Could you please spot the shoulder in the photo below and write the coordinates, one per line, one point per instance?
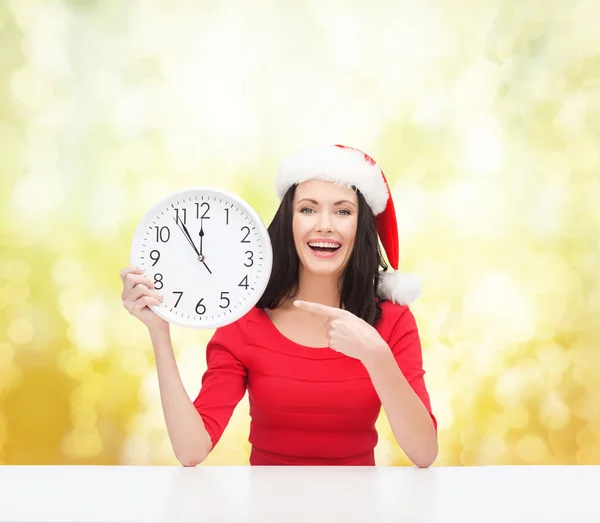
(235, 333)
(396, 320)
(392, 313)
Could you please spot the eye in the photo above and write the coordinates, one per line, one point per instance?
(306, 209)
(344, 212)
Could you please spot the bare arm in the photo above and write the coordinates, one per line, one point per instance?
(189, 438)
(410, 422)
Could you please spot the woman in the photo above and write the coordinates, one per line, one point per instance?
(330, 341)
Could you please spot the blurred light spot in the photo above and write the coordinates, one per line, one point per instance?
(134, 362)
(136, 451)
(496, 301)
(497, 425)
(474, 208)
(104, 210)
(430, 108)
(517, 416)
(38, 194)
(546, 211)
(468, 457)
(549, 84)
(16, 292)
(411, 212)
(21, 331)
(572, 113)
(87, 328)
(444, 413)
(66, 270)
(138, 156)
(10, 376)
(491, 449)
(582, 151)
(69, 302)
(129, 115)
(82, 444)
(6, 354)
(586, 14)
(31, 86)
(554, 413)
(470, 437)
(16, 270)
(589, 455)
(384, 450)
(84, 417)
(89, 391)
(532, 449)
(482, 147)
(71, 362)
(585, 437)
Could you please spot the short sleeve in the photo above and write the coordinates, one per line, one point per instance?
(223, 383)
(406, 347)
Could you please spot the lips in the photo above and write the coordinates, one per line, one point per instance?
(324, 246)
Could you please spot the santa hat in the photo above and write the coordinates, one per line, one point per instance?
(348, 166)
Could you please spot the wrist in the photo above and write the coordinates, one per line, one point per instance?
(378, 356)
(159, 330)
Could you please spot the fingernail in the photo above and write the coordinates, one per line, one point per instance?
(161, 298)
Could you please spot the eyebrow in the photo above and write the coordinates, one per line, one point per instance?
(315, 202)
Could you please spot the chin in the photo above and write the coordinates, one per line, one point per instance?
(322, 267)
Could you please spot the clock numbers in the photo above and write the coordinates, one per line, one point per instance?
(226, 216)
(226, 299)
(250, 259)
(180, 295)
(200, 308)
(184, 215)
(245, 240)
(154, 256)
(158, 280)
(244, 282)
(162, 233)
(206, 207)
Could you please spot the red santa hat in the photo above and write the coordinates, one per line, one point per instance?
(349, 166)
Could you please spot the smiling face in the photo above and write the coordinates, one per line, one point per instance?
(324, 222)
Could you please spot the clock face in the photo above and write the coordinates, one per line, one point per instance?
(207, 252)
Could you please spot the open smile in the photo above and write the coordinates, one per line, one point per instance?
(324, 249)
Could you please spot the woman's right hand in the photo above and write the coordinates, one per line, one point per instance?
(138, 293)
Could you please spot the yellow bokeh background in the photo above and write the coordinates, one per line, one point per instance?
(485, 116)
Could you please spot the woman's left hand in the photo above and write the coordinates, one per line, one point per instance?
(346, 332)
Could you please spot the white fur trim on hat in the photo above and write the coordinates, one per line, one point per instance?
(331, 163)
(400, 287)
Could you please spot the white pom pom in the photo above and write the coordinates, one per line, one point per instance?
(400, 287)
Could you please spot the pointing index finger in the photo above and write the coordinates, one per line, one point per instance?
(326, 310)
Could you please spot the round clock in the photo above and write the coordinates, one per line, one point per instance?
(207, 252)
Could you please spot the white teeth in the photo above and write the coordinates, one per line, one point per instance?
(324, 244)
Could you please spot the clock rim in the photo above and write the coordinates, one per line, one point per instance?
(267, 260)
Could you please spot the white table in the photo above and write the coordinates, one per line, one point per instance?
(566, 494)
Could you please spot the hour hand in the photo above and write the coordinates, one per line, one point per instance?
(201, 234)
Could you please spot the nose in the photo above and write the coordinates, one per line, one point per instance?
(324, 223)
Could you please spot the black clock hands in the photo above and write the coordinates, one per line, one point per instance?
(186, 233)
(201, 234)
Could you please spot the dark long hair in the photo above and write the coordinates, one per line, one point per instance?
(360, 278)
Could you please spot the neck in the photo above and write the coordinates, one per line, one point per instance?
(318, 288)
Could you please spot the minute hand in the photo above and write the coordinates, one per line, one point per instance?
(186, 234)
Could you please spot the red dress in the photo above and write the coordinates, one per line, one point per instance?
(308, 406)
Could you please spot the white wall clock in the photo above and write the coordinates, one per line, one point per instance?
(207, 252)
